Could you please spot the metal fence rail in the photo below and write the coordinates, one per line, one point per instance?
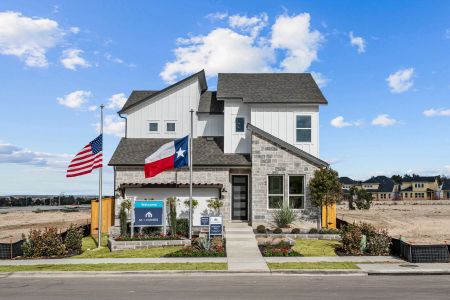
(11, 250)
(421, 253)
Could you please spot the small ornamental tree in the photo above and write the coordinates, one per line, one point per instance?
(325, 189)
(172, 205)
(363, 199)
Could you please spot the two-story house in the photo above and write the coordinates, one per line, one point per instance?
(381, 187)
(255, 144)
(420, 188)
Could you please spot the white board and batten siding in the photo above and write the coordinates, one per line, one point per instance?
(236, 142)
(171, 106)
(209, 125)
(280, 121)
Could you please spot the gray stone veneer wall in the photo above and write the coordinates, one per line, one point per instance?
(269, 159)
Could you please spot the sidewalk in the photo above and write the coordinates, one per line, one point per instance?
(242, 250)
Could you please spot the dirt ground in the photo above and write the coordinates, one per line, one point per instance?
(421, 224)
(14, 223)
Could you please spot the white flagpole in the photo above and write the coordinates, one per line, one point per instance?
(100, 171)
(190, 174)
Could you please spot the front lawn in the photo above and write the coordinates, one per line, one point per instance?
(316, 247)
(90, 250)
(117, 267)
(313, 266)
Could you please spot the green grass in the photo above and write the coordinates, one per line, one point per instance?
(117, 267)
(316, 247)
(313, 266)
(103, 252)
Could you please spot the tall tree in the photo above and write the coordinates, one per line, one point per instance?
(325, 189)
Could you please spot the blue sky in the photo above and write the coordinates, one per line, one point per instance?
(383, 66)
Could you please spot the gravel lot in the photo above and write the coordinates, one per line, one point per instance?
(417, 223)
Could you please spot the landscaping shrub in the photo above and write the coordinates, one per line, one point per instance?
(351, 236)
(313, 231)
(363, 199)
(123, 221)
(329, 231)
(172, 212)
(295, 231)
(73, 239)
(277, 230)
(183, 227)
(379, 243)
(43, 243)
(215, 204)
(282, 249)
(202, 247)
(284, 216)
(261, 229)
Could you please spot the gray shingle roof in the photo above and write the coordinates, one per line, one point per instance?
(141, 96)
(206, 152)
(347, 180)
(446, 185)
(420, 179)
(209, 104)
(270, 88)
(305, 155)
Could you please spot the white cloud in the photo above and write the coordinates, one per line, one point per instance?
(74, 30)
(16, 155)
(116, 101)
(28, 38)
(112, 125)
(358, 42)
(71, 59)
(92, 108)
(439, 112)
(401, 81)
(249, 50)
(217, 16)
(293, 34)
(75, 99)
(384, 120)
(340, 122)
(252, 25)
(222, 50)
(117, 60)
(320, 79)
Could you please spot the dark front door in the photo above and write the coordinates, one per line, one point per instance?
(239, 197)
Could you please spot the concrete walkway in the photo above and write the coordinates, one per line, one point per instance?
(242, 250)
(84, 261)
(356, 259)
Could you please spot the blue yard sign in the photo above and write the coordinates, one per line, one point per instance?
(215, 226)
(204, 221)
(149, 213)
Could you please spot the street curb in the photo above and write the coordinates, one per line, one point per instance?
(406, 272)
(320, 272)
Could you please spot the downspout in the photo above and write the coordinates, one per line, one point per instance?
(126, 123)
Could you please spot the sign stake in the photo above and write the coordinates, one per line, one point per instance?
(100, 173)
(190, 174)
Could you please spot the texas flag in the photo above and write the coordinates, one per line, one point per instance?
(169, 156)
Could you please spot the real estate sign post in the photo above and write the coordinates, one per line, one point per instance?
(148, 213)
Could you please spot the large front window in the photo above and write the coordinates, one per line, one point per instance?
(275, 191)
(303, 129)
(296, 191)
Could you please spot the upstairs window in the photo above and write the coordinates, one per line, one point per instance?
(303, 129)
(170, 127)
(153, 127)
(239, 124)
(275, 191)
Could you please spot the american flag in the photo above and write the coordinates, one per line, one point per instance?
(88, 159)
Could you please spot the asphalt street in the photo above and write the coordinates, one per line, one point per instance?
(226, 287)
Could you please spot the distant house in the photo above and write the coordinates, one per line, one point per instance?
(445, 189)
(381, 187)
(419, 188)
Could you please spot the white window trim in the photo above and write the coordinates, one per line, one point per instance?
(295, 129)
(304, 191)
(268, 208)
(165, 126)
(234, 124)
(148, 126)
